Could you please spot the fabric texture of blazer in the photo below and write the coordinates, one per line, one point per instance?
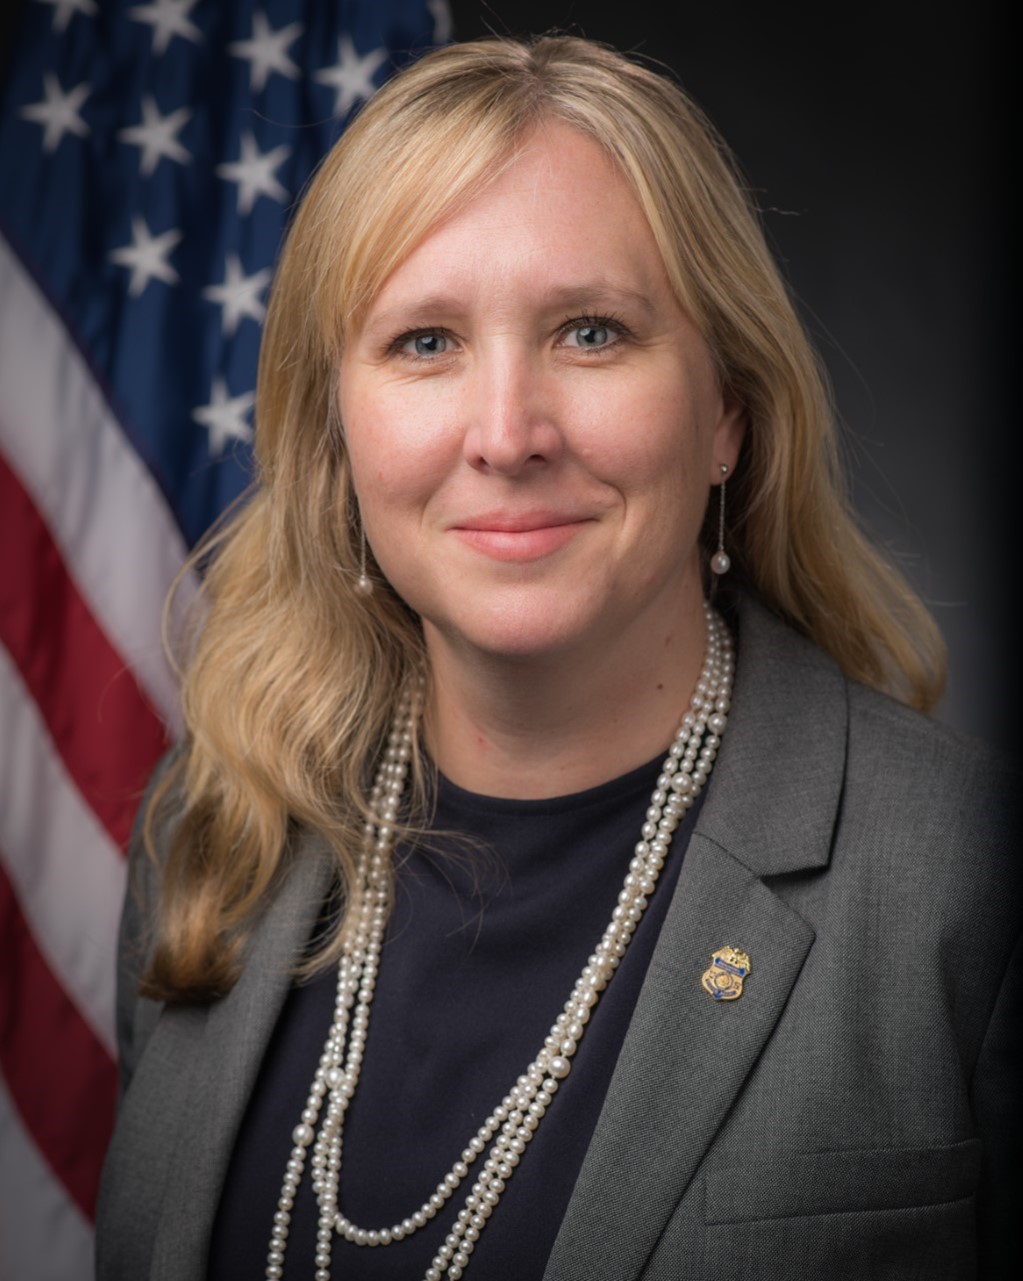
(855, 1114)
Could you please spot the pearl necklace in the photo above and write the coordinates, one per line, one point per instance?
(512, 1124)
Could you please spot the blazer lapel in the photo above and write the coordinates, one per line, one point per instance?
(684, 1060)
(227, 1061)
(770, 809)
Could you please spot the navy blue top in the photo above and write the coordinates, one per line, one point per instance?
(481, 952)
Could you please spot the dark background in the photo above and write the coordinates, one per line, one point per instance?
(874, 140)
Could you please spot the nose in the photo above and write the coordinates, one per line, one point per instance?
(513, 424)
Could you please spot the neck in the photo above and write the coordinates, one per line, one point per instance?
(533, 728)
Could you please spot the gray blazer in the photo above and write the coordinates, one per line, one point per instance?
(853, 1115)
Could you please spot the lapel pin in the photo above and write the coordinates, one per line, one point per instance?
(724, 979)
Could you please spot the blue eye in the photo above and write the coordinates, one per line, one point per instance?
(592, 333)
(592, 336)
(429, 344)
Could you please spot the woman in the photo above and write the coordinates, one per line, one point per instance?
(524, 326)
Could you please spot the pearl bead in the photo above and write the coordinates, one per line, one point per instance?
(720, 563)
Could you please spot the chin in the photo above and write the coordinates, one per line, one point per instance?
(517, 635)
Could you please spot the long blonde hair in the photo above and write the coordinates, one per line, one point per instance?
(291, 679)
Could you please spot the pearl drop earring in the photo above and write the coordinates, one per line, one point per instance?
(364, 584)
(720, 562)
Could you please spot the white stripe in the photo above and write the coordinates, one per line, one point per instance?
(43, 1234)
(66, 871)
(104, 509)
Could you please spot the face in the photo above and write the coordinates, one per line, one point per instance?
(534, 424)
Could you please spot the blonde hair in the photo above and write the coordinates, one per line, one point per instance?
(291, 679)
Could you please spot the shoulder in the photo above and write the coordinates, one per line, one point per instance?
(913, 769)
(910, 810)
(924, 779)
(926, 852)
(145, 860)
(137, 1015)
(921, 746)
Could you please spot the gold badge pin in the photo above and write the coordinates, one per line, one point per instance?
(729, 967)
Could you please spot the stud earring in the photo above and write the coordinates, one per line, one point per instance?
(364, 584)
(720, 562)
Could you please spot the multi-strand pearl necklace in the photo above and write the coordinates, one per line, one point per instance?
(508, 1129)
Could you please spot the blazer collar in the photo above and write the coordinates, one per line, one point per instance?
(777, 782)
(771, 808)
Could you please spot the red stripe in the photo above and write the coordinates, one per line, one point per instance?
(105, 729)
(62, 1080)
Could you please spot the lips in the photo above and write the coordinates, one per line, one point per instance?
(521, 536)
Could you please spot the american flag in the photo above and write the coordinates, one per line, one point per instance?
(150, 155)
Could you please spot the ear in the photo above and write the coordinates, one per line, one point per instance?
(729, 433)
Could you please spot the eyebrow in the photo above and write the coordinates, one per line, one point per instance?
(597, 295)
